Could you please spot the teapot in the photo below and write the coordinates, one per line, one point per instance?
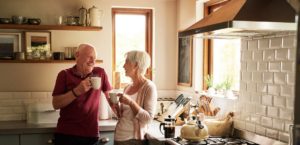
(194, 130)
(168, 126)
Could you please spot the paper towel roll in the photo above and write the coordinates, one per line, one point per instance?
(103, 108)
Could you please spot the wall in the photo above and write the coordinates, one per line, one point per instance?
(23, 84)
(266, 101)
(40, 77)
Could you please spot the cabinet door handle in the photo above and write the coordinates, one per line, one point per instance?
(104, 140)
(50, 141)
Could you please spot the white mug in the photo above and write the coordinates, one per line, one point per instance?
(96, 82)
(114, 98)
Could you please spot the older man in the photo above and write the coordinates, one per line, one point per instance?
(77, 101)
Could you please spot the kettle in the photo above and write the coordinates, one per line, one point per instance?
(168, 126)
(194, 130)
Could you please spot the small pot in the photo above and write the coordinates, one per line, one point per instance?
(19, 56)
(58, 56)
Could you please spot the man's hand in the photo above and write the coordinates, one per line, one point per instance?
(83, 86)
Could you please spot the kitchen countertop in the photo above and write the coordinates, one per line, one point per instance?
(22, 127)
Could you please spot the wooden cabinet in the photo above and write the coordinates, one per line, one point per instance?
(36, 139)
(9, 139)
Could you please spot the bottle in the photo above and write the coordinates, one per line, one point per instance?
(82, 16)
(95, 16)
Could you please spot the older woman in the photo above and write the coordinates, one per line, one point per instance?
(138, 101)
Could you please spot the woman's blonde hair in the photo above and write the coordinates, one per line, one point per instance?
(142, 59)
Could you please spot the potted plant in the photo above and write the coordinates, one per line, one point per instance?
(209, 82)
(227, 85)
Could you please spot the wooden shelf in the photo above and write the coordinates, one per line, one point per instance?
(42, 61)
(49, 27)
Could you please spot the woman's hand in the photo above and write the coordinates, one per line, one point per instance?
(125, 99)
(83, 86)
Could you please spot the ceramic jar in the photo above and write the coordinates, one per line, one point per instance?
(95, 16)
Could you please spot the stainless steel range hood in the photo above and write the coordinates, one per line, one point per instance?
(244, 18)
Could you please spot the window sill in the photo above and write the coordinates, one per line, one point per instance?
(221, 95)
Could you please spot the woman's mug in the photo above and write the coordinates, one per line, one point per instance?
(168, 127)
(114, 98)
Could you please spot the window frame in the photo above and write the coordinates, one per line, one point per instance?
(209, 7)
(149, 34)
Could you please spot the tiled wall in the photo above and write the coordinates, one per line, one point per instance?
(13, 105)
(267, 83)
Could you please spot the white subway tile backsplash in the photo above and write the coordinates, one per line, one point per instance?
(290, 103)
(250, 108)
(247, 76)
(253, 45)
(289, 41)
(276, 42)
(260, 130)
(262, 88)
(244, 45)
(275, 66)
(272, 111)
(6, 117)
(251, 87)
(250, 127)
(280, 78)
(263, 43)
(263, 66)
(13, 104)
(261, 109)
(243, 86)
(292, 54)
(273, 89)
(267, 100)
(281, 54)
(284, 137)
(252, 66)
(286, 114)
(278, 124)
(266, 121)
(255, 119)
(270, 68)
(272, 133)
(21, 95)
(268, 77)
(243, 66)
(279, 101)
(258, 55)
(290, 78)
(287, 91)
(6, 95)
(257, 77)
(288, 66)
(246, 55)
(256, 98)
(269, 55)
(239, 124)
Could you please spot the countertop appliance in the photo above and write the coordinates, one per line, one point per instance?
(213, 141)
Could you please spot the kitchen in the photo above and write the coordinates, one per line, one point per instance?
(27, 82)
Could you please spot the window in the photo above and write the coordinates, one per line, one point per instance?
(221, 56)
(132, 30)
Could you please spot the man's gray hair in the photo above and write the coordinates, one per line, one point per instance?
(142, 59)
